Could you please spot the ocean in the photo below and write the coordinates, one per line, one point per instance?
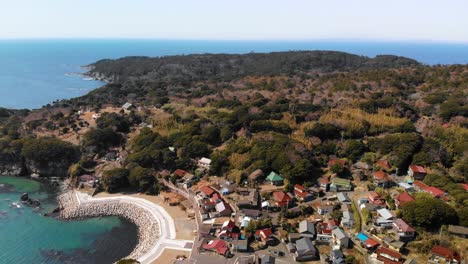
(34, 73)
(28, 237)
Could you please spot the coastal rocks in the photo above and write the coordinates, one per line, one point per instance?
(148, 226)
(24, 197)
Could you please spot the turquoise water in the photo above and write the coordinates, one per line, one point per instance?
(35, 72)
(28, 237)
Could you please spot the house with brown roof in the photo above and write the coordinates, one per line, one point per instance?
(403, 231)
(282, 199)
(458, 230)
(207, 191)
(388, 256)
(448, 255)
(334, 161)
(375, 198)
(434, 191)
(383, 164)
(256, 176)
(417, 172)
(381, 179)
(403, 198)
(223, 208)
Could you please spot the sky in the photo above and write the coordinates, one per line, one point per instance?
(389, 20)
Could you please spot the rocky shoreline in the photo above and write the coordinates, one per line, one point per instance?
(148, 226)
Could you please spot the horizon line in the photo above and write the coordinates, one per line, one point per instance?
(413, 41)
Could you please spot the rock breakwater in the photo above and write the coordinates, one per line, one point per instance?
(148, 227)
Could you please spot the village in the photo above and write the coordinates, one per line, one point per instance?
(326, 223)
(265, 220)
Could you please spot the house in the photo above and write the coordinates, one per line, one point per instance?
(240, 245)
(305, 250)
(435, 192)
(343, 198)
(325, 208)
(245, 221)
(249, 198)
(385, 219)
(223, 208)
(367, 242)
(281, 199)
(337, 257)
(265, 235)
(266, 259)
(179, 173)
(348, 219)
(324, 232)
(381, 179)
(302, 194)
(274, 179)
(324, 184)
(204, 163)
(207, 192)
(417, 172)
(446, 254)
(128, 106)
(403, 198)
(389, 256)
(255, 176)
(339, 185)
(307, 229)
(403, 231)
(393, 244)
(383, 164)
(340, 238)
(458, 230)
(218, 246)
(374, 198)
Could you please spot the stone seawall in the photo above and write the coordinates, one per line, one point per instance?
(148, 226)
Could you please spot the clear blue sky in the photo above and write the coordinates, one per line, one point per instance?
(395, 20)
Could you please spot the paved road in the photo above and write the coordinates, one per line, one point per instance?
(167, 228)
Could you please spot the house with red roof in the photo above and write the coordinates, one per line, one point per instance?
(282, 199)
(434, 191)
(218, 245)
(417, 172)
(381, 179)
(403, 198)
(265, 235)
(371, 244)
(302, 194)
(180, 173)
(448, 255)
(388, 256)
(403, 231)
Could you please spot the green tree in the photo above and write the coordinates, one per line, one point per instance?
(428, 213)
(114, 179)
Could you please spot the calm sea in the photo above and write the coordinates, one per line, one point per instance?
(28, 237)
(36, 72)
